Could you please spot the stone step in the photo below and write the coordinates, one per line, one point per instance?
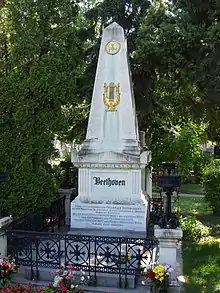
(88, 289)
(102, 279)
(139, 288)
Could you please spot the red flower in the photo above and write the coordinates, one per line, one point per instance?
(150, 275)
(147, 275)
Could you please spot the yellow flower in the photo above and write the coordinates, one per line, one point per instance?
(157, 276)
(159, 269)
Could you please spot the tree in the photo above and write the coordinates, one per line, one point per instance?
(177, 49)
(38, 79)
(182, 145)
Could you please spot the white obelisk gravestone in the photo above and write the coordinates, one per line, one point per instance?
(112, 174)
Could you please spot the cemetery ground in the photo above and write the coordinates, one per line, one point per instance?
(187, 188)
(192, 188)
(201, 261)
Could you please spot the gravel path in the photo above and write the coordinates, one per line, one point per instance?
(191, 195)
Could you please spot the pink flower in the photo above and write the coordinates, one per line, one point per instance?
(71, 266)
(30, 284)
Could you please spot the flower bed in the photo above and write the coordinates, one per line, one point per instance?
(65, 280)
(19, 288)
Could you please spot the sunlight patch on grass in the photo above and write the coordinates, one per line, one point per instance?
(201, 261)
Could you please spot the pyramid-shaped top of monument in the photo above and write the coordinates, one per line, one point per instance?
(112, 125)
(114, 27)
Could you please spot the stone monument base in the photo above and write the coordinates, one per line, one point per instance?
(104, 216)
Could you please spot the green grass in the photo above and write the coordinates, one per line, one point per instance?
(201, 261)
(192, 188)
(201, 265)
(193, 206)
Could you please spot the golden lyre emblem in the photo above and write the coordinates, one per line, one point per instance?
(111, 96)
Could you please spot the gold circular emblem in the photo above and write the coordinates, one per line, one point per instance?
(112, 47)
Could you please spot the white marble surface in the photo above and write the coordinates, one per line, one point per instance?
(168, 245)
(3, 237)
(118, 130)
(5, 221)
(112, 178)
(108, 216)
(109, 185)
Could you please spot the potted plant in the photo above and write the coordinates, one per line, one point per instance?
(159, 278)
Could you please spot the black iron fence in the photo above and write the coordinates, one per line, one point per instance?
(50, 218)
(95, 255)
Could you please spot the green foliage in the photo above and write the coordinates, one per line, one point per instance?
(178, 53)
(211, 184)
(27, 190)
(66, 174)
(193, 230)
(200, 164)
(182, 145)
(40, 51)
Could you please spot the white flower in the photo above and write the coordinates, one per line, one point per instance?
(56, 281)
(82, 278)
(166, 267)
(170, 270)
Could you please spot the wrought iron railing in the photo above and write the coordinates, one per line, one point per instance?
(95, 255)
(49, 219)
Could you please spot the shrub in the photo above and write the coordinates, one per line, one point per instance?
(65, 174)
(200, 164)
(193, 230)
(211, 184)
(27, 190)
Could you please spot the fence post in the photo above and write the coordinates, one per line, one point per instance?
(3, 237)
(67, 193)
(169, 252)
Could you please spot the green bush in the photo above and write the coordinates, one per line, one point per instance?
(27, 190)
(200, 164)
(193, 230)
(211, 184)
(65, 174)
